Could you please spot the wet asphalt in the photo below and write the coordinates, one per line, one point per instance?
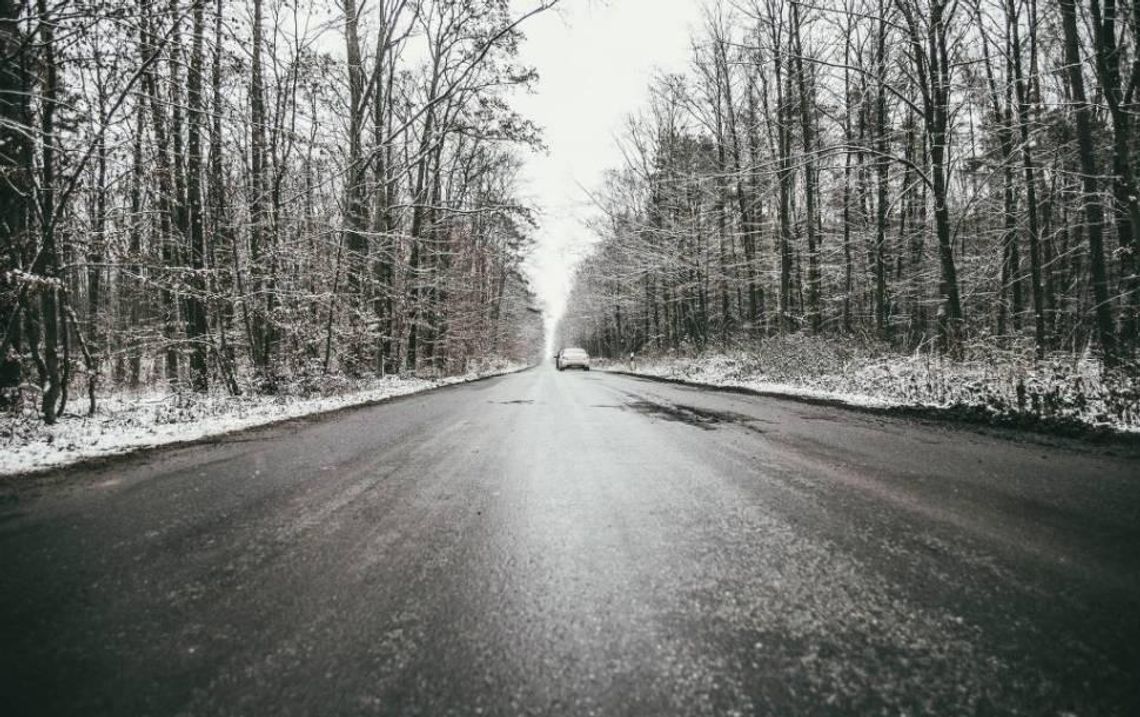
(578, 543)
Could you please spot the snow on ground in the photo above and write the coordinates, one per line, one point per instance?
(723, 371)
(128, 422)
(1074, 394)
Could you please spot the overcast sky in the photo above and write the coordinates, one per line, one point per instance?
(595, 59)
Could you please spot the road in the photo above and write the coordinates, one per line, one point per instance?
(579, 543)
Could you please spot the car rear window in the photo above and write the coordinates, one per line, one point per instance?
(574, 353)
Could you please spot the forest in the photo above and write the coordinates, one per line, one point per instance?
(955, 178)
(250, 195)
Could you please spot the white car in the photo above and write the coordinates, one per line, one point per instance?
(572, 358)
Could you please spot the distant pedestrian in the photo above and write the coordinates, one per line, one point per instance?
(632, 365)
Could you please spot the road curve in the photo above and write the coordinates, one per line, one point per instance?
(577, 543)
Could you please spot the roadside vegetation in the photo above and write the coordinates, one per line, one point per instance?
(1066, 393)
(921, 201)
(206, 199)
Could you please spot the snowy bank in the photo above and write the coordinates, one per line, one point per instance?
(125, 422)
(1074, 396)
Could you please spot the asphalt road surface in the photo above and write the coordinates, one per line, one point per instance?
(578, 543)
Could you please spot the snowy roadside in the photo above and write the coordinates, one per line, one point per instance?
(710, 372)
(126, 423)
(1073, 400)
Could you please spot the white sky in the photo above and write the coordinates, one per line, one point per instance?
(595, 59)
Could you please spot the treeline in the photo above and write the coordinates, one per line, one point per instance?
(235, 193)
(924, 173)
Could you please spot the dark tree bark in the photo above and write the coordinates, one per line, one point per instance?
(882, 174)
(47, 264)
(849, 139)
(260, 337)
(1094, 215)
(133, 289)
(15, 191)
(785, 176)
(221, 234)
(1120, 95)
(169, 244)
(197, 323)
(355, 217)
(807, 134)
(928, 41)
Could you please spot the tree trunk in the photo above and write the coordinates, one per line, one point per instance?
(259, 338)
(15, 192)
(48, 264)
(1022, 91)
(1094, 215)
(197, 325)
(807, 107)
(882, 174)
(1122, 108)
